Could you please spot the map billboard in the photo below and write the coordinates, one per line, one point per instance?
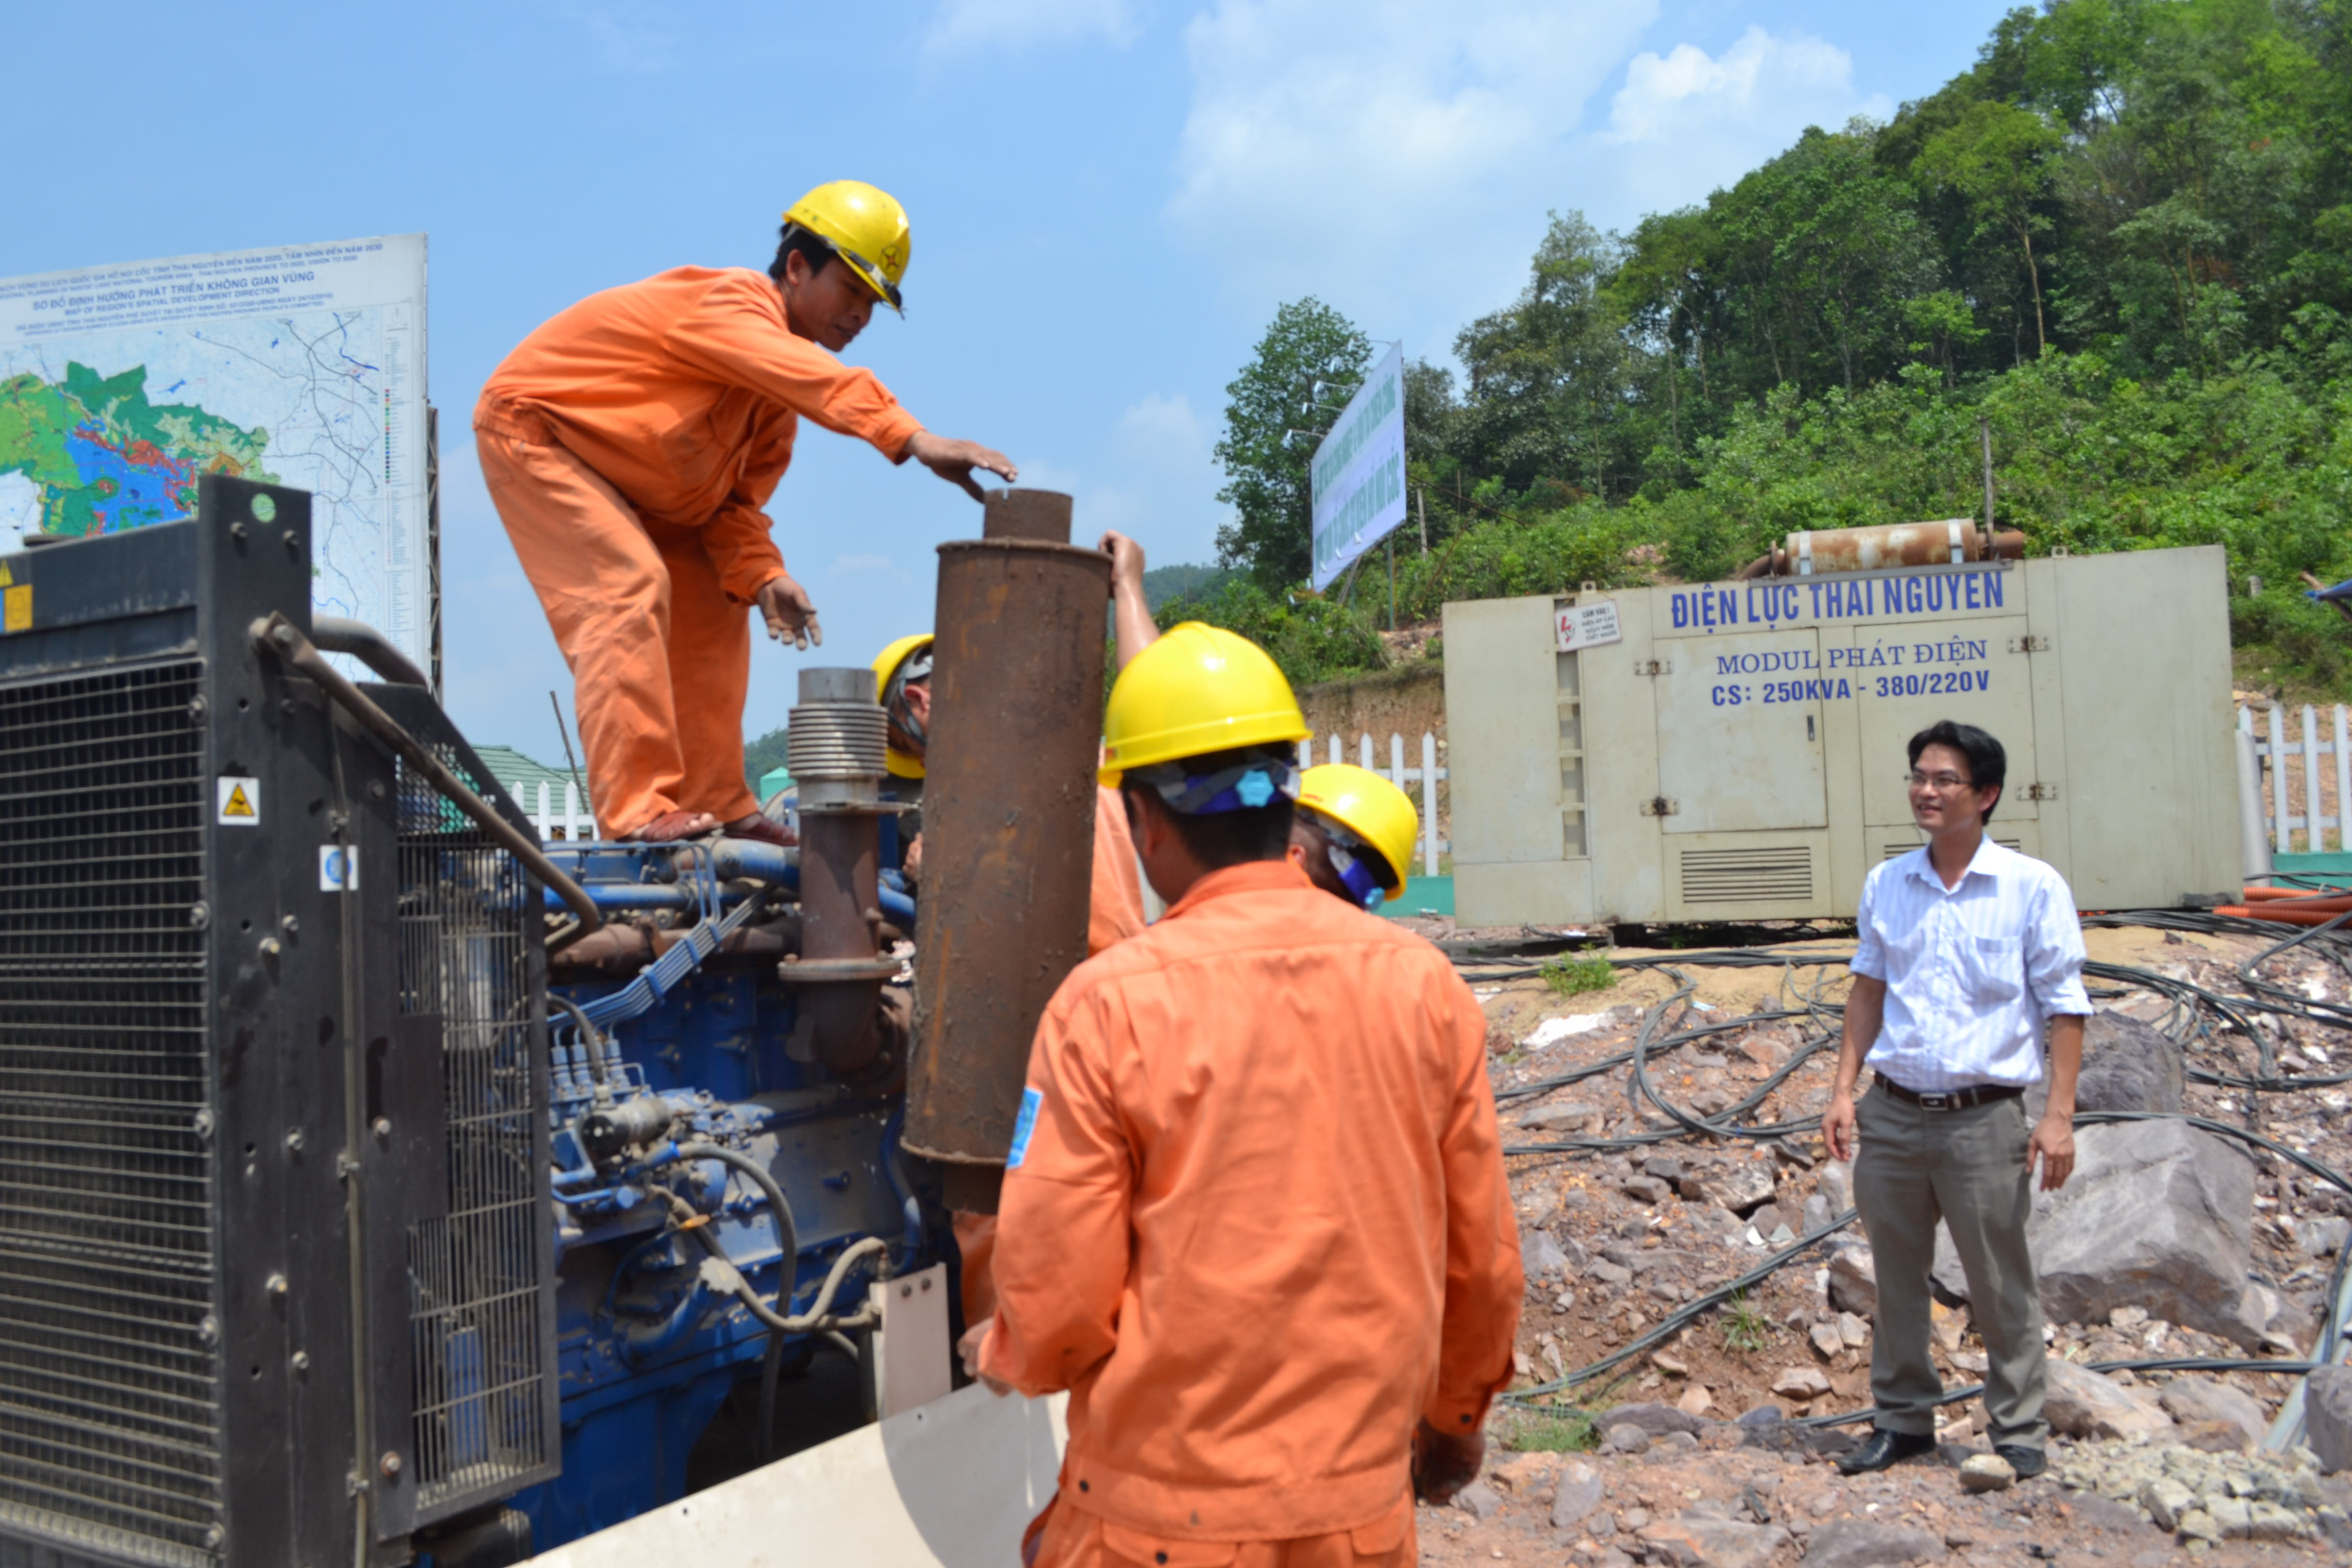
(1358, 475)
(301, 365)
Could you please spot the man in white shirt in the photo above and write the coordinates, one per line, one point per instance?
(1967, 950)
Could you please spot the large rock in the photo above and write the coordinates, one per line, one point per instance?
(1655, 1419)
(2327, 1413)
(1578, 1495)
(1698, 1541)
(1740, 1185)
(2189, 1400)
(1853, 1280)
(2126, 1066)
(1866, 1543)
(2083, 1403)
(2156, 1215)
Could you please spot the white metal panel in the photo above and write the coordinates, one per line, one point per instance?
(1740, 738)
(1501, 710)
(2142, 641)
(1536, 893)
(912, 1358)
(1978, 674)
(950, 1485)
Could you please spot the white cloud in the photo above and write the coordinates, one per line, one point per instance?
(1022, 24)
(1391, 156)
(1685, 123)
(628, 42)
(850, 565)
(1164, 435)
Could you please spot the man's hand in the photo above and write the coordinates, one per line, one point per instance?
(955, 461)
(1445, 1462)
(1125, 560)
(784, 605)
(910, 864)
(2053, 1140)
(967, 1349)
(1837, 1126)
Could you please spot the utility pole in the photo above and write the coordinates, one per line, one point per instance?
(1391, 543)
(1984, 435)
(1421, 505)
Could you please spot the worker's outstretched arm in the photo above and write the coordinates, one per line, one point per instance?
(1483, 1278)
(1131, 611)
(1063, 1242)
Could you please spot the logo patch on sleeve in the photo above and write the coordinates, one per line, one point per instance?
(1023, 1126)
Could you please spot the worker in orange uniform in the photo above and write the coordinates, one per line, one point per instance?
(1352, 831)
(631, 443)
(1254, 1214)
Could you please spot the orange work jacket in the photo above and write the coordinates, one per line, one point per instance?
(1255, 1218)
(1114, 910)
(685, 391)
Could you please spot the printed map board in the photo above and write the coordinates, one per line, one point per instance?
(301, 365)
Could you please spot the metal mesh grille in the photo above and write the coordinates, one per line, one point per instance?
(474, 1315)
(109, 1411)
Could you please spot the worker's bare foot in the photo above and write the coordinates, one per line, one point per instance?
(766, 830)
(671, 827)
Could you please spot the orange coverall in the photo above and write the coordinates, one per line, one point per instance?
(1257, 1224)
(631, 443)
(1114, 913)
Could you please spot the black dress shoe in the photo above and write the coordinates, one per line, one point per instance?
(1886, 1448)
(2027, 1462)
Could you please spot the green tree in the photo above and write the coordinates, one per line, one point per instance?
(1301, 375)
(1997, 157)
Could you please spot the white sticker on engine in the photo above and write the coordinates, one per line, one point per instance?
(240, 801)
(338, 869)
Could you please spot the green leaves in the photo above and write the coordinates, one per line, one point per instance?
(1306, 368)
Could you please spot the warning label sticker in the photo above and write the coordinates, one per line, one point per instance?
(17, 616)
(240, 801)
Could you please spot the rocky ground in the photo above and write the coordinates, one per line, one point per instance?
(2172, 1243)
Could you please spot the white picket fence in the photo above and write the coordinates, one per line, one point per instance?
(1425, 777)
(554, 819)
(2303, 804)
(564, 818)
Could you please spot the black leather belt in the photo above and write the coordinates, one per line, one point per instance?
(1952, 1098)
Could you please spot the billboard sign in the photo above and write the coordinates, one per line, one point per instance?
(1358, 474)
(299, 365)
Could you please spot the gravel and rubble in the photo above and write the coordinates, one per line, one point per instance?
(1689, 1453)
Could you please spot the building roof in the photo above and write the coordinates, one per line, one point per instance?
(511, 768)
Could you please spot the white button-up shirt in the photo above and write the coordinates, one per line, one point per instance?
(1971, 971)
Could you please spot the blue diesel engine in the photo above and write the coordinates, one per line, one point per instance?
(726, 1103)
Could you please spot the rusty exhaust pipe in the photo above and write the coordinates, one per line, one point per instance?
(1951, 542)
(1008, 825)
(834, 747)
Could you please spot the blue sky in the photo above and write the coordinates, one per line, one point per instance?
(1109, 197)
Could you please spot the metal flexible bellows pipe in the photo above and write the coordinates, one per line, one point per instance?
(278, 636)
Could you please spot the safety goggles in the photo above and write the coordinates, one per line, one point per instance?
(1343, 849)
(1245, 786)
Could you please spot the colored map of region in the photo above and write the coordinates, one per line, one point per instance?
(104, 458)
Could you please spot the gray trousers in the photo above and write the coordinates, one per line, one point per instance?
(1968, 1168)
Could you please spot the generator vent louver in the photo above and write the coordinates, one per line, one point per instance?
(110, 1399)
(1763, 875)
(475, 1316)
(1894, 850)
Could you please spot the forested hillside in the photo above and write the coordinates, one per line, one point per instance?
(2123, 236)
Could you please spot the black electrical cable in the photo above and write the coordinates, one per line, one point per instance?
(788, 1268)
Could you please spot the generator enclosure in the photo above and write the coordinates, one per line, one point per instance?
(1735, 751)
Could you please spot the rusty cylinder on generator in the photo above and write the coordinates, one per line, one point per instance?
(1008, 824)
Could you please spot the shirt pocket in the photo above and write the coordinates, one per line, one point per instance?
(1148, 1550)
(1996, 968)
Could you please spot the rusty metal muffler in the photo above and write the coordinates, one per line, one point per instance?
(835, 747)
(1950, 542)
(1008, 824)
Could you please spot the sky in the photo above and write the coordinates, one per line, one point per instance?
(1108, 198)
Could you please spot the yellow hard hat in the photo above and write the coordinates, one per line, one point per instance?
(1369, 806)
(866, 228)
(886, 665)
(1196, 690)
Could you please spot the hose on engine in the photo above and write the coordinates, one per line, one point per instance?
(596, 1044)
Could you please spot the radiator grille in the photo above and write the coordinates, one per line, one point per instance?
(1771, 875)
(474, 1316)
(109, 1411)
